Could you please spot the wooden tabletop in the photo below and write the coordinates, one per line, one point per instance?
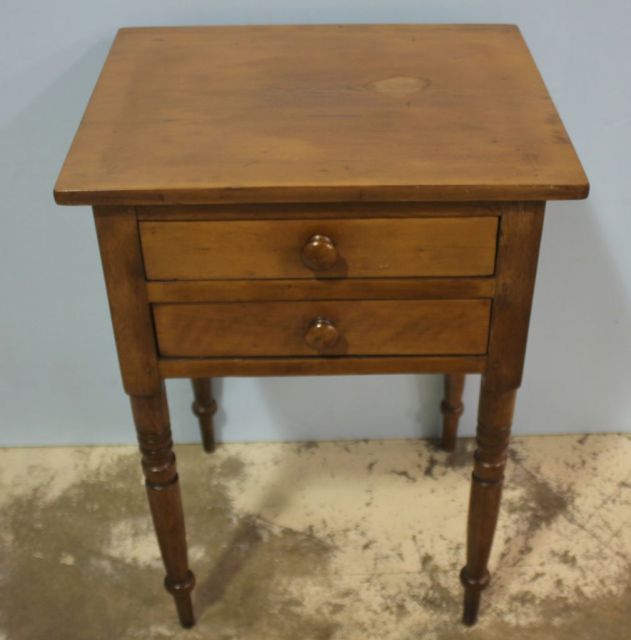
(320, 113)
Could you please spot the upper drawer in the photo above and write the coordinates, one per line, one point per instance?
(356, 248)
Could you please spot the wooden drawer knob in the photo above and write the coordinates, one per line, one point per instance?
(319, 254)
(322, 334)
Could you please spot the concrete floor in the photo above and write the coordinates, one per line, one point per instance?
(329, 541)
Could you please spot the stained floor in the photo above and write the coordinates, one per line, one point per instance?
(329, 541)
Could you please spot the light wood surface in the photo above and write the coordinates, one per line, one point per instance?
(325, 366)
(352, 248)
(375, 327)
(319, 210)
(121, 256)
(322, 289)
(518, 255)
(320, 113)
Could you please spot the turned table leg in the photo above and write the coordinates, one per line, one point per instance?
(204, 407)
(494, 422)
(123, 267)
(163, 490)
(452, 408)
(517, 251)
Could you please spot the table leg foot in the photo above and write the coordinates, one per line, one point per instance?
(181, 592)
(472, 593)
(204, 407)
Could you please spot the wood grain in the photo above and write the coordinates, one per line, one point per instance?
(321, 289)
(452, 408)
(204, 407)
(275, 248)
(301, 210)
(401, 327)
(324, 366)
(495, 416)
(316, 200)
(518, 253)
(320, 113)
(151, 416)
(117, 233)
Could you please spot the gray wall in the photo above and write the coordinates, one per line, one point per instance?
(59, 379)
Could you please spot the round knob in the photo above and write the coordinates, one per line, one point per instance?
(322, 334)
(319, 254)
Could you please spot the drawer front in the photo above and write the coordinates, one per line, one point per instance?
(365, 327)
(356, 248)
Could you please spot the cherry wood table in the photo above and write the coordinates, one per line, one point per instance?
(315, 200)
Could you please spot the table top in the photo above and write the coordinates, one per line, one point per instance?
(317, 114)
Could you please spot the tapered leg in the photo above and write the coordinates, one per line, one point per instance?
(494, 423)
(452, 408)
(204, 407)
(163, 490)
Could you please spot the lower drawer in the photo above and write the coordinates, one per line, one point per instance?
(325, 327)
